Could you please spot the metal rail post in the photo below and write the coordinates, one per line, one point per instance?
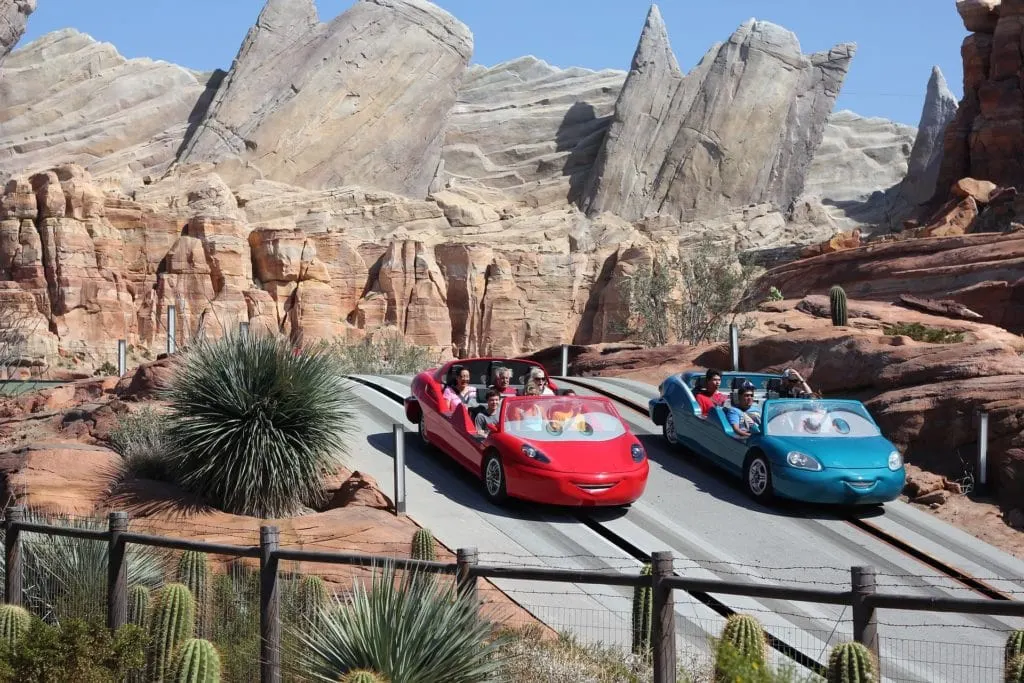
(172, 325)
(865, 623)
(734, 346)
(663, 626)
(270, 607)
(982, 448)
(565, 360)
(117, 572)
(399, 435)
(465, 558)
(13, 555)
(122, 357)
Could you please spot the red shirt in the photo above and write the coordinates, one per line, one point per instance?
(706, 402)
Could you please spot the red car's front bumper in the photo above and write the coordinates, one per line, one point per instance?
(575, 489)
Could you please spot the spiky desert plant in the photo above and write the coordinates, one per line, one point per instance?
(1014, 672)
(643, 607)
(172, 623)
(362, 676)
(14, 622)
(256, 428)
(311, 598)
(197, 662)
(837, 305)
(423, 545)
(417, 629)
(138, 606)
(194, 572)
(742, 636)
(1014, 645)
(851, 663)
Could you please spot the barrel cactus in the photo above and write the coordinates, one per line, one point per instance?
(837, 305)
(1014, 670)
(1014, 646)
(362, 676)
(311, 598)
(138, 606)
(172, 622)
(197, 662)
(423, 545)
(851, 663)
(194, 572)
(14, 622)
(742, 638)
(643, 609)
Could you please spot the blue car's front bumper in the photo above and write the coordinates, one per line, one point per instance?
(839, 486)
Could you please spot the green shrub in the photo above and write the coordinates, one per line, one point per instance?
(922, 333)
(140, 438)
(774, 294)
(256, 428)
(415, 629)
(386, 353)
(108, 369)
(76, 650)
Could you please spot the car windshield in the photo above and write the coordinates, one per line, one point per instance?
(832, 419)
(561, 418)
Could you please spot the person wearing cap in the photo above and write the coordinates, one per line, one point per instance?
(794, 386)
(744, 415)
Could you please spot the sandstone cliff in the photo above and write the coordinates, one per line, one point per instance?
(13, 16)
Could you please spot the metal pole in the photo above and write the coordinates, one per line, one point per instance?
(13, 555)
(663, 619)
(865, 623)
(270, 607)
(565, 360)
(117, 572)
(243, 328)
(465, 558)
(983, 448)
(399, 434)
(171, 328)
(734, 346)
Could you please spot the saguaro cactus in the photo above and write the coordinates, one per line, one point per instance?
(1014, 670)
(172, 622)
(742, 637)
(138, 606)
(194, 572)
(851, 663)
(643, 608)
(1014, 646)
(424, 546)
(837, 305)
(14, 622)
(197, 662)
(311, 598)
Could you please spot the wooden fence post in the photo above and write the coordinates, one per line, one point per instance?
(12, 555)
(465, 558)
(270, 607)
(865, 623)
(663, 626)
(117, 572)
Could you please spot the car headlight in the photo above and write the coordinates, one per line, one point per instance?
(532, 453)
(803, 461)
(895, 461)
(637, 452)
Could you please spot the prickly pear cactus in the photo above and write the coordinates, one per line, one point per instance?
(194, 572)
(742, 637)
(851, 663)
(138, 606)
(14, 622)
(423, 545)
(197, 662)
(362, 676)
(1014, 670)
(837, 305)
(171, 623)
(643, 608)
(1014, 646)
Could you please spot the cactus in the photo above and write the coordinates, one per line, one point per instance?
(197, 662)
(745, 637)
(138, 607)
(14, 622)
(310, 599)
(837, 305)
(423, 545)
(1014, 670)
(643, 609)
(851, 663)
(172, 622)
(194, 572)
(362, 676)
(1014, 646)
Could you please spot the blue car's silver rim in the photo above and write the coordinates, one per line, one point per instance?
(670, 429)
(757, 476)
(492, 477)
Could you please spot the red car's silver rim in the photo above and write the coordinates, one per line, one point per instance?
(492, 477)
(757, 477)
(670, 428)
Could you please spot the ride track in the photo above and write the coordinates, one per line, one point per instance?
(592, 519)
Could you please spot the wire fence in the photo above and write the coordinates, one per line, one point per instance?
(62, 567)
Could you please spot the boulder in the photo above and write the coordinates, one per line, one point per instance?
(979, 15)
(13, 17)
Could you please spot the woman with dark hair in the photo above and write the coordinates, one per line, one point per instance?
(451, 397)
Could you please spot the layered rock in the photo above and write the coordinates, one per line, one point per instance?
(361, 100)
(66, 98)
(13, 17)
(740, 129)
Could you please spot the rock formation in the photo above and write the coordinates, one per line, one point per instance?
(13, 16)
(740, 129)
(360, 101)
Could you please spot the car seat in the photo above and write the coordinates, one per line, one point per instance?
(773, 388)
(700, 384)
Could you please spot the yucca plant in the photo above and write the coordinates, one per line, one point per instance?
(255, 428)
(416, 630)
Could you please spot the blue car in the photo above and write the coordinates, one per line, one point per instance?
(827, 451)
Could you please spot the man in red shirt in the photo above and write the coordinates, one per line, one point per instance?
(710, 396)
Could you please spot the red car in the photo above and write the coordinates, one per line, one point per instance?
(556, 448)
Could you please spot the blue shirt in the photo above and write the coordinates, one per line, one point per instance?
(735, 415)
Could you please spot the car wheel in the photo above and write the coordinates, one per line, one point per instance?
(423, 433)
(669, 429)
(758, 477)
(494, 479)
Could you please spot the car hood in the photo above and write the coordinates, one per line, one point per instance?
(869, 452)
(588, 456)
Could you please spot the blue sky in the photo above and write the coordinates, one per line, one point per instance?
(898, 40)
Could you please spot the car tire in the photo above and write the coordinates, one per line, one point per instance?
(494, 479)
(424, 438)
(668, 430)
(757, 477)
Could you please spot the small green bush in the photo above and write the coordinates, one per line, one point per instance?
(922, 333)
(140, 438)
(108, 369)
(75, 650)
(774, 294)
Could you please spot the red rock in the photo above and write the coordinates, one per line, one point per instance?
(146, 380)
(979, 190)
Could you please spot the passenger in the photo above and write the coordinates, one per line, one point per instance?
(538, 376)
(451, 396)
(710, 396)
(489, 418)
(532, 411)
(794, 386)
(503, 381)
(744, 415)
(465, 390)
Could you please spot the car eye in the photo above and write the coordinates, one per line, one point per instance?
(803, 461)
(636, 451)
(534, 454)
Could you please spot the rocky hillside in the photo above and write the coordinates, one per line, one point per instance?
(355, 174)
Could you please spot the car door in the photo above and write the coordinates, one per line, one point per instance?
(459, 431)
